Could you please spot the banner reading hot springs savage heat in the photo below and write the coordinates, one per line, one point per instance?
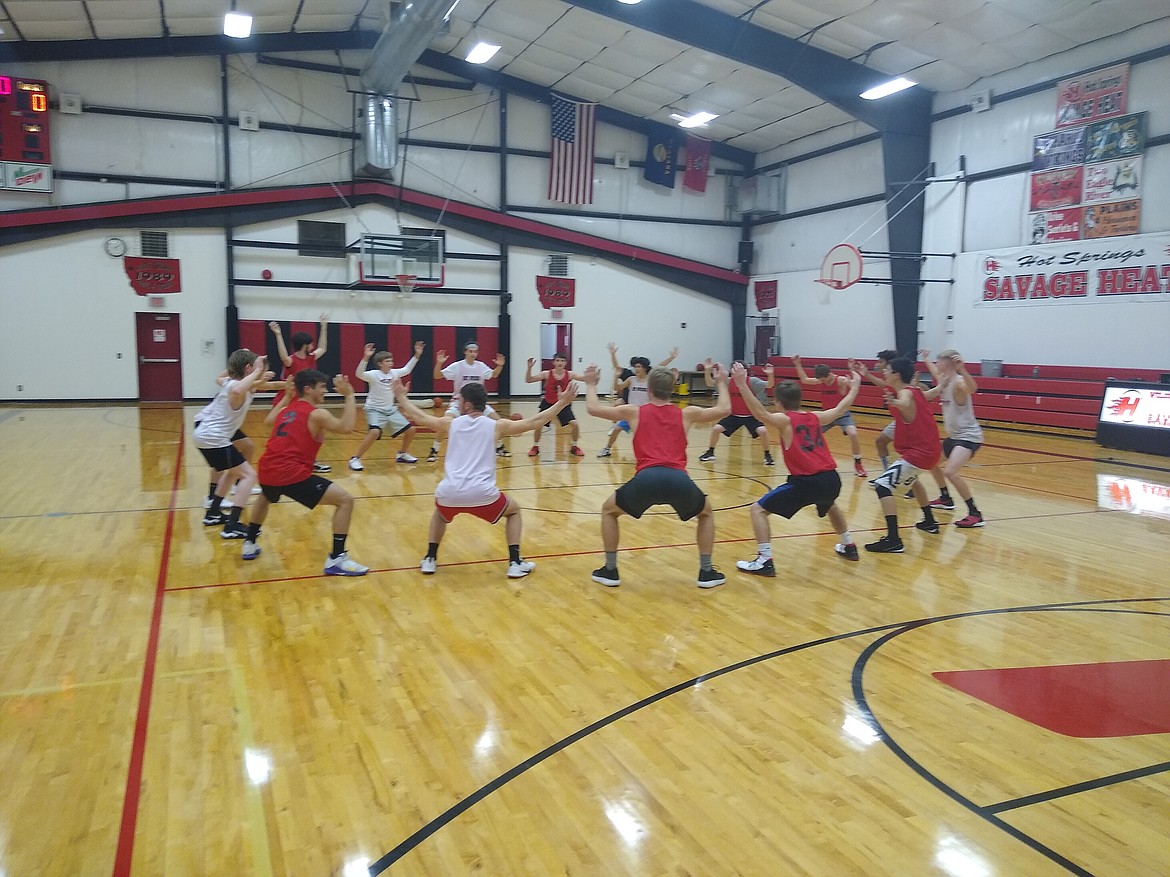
(1081, 272)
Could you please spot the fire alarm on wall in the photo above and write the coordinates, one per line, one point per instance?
(266, 274)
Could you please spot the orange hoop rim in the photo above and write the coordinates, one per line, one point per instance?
(831, 283)
(406, 282)
(853, 256)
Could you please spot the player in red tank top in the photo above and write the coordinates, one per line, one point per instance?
(916, 439)
(556, 379)
(833, 388)
(660, 447)
(304, 356)
(812, 478)
(286, 466)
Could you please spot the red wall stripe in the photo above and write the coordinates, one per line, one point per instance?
(254, 336)
(445, 341)
(353, 342)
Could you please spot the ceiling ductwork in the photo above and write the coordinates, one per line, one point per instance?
(412, 27)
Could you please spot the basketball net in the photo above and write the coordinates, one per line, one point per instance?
(405, 284)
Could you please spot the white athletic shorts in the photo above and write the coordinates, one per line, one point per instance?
(901, 473)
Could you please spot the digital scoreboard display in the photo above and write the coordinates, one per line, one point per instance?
(25, 156)
(1135, 417)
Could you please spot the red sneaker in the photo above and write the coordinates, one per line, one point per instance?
(859, 469)
(969, 522)
(576, 451)
(534, 451)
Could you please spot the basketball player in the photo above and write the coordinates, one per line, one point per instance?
(916, 439)
(555, 380)
(955, 387)
(469, 469)
(812, 471)
(468, 370)
(627, 381)
(660, 449)
(381, 409)
(216, 426)
(304, 356)
(286, 466)
(833, 387)
(741, 414)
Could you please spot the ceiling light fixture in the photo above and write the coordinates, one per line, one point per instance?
(482, 52)
(630, 2)
(888, 88)
(237, 24)
(695, 120)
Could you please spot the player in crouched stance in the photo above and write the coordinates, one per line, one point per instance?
(812, 479)
(469, 468)
(286, 466)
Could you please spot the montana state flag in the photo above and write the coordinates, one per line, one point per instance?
(661, 155)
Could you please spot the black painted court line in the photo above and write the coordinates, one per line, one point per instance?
(987, 813)
(896, 628)
(1077, 788)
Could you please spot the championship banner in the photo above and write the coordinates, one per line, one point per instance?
(1063, 224)
(1101, 94)
(1111, 220)
(152, 276)
(765, 294)
(1086, 272)
(1113, 181)
(556, 292)
(1058, 188)
(1120, 138)
(1058, 149)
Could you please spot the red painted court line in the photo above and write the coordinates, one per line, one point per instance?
(124, 856)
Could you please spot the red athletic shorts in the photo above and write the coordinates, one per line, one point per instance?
(490, 512)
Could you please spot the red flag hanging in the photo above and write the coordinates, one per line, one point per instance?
(556, 292)
(152, 276)
(698, 160)
(765, 294)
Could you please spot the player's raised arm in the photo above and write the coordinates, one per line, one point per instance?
(801, 374)
(500, 361)
(321, 419)
(322, 337)
(529, 377)
(363, 364)
(593, 403)
(693, 414)
(842, 408)
(516, 427)
(280, 348)
(440, 359)
(739, 374)
(415, 414)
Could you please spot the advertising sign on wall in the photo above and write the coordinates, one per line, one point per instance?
(1063, 224)
(1110, 220)
(1113, 181)
(1119, 138)
(1101, 94)
(26, 177)
(1058, 149)
(1057, 188)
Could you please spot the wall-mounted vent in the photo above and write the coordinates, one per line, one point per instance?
(155, 244)
(323, 239)
(558, 264)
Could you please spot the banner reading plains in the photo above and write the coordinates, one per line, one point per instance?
(1101, 94)
(1085, 272)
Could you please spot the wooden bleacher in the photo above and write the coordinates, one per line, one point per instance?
(1044, 396)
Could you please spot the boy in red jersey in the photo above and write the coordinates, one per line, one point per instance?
(916, 439)
(833, 387)
(304, 356)
(740, 414)
(812, 479)
(660, 448)
(555, 380)
(286, 466)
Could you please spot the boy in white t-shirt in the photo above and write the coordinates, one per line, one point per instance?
(381, 409)
(468, 370)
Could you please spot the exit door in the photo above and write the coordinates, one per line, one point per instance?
(160, 362)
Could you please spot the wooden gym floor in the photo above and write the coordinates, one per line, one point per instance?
(166, 708)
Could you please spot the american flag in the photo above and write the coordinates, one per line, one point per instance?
(570, 177)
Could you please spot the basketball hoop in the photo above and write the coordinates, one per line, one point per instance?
(405, 284)
(841, 267)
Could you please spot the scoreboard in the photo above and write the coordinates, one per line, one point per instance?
(25, 158)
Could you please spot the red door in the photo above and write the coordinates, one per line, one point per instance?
(555, 338)
(160, 363)
(763, 343)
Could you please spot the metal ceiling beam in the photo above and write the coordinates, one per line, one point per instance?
(477, 72)
(157, 47)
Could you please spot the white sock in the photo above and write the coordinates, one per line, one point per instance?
(765, 549)
(846, 538)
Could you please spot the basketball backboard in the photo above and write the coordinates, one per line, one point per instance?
(382, 258)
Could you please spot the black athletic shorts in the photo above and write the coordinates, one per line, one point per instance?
(799, 491)
(660, 485)
(950, 444)
(565, 416)
(222, 459)
(308, 492)
(734, 421)
(239, 435)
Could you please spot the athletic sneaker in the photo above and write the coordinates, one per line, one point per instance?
(576, 451)
(605, 452)
(428, 566)
(710, 578)
(214, 519)
(251, 551)
(519, 569)
(322, 467)
(970, 521)
(761, 566)
(909, 494)
(432, 456)
(849, 552)
(768, 461)
(343, 566)
(534, 451)
(927, 526)
(707, 456)
(355, 463)
(501, 451)
(234, 530)
(886, 545)
(404, 457)
(255, 490)
(606, 576)
(947, 504)
(858, 469)
(207, 502)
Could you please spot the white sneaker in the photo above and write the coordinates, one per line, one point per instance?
(343, 566)
(428, 566)
(355, 464)
(605, 452)
(521, 569)
(251, 551)
(404, 457)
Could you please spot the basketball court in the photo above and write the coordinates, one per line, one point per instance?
(992, 701)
